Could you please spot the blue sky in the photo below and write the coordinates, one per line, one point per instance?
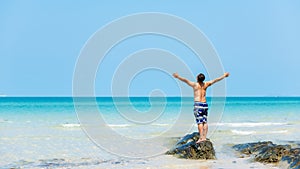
(257, 42)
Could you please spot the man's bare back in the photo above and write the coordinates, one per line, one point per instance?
(200, 92)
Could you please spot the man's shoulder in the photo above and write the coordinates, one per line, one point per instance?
(207, 83)
(195, 84)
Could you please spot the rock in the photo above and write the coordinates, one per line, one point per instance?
(272, 154)
(188, 138)
(187, 148)
(251, 148)
(293, 158)
(267, 152)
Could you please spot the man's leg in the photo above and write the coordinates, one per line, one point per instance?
(205, 129)
(200, 129)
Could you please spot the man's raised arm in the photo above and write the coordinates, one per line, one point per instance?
(218, 79)
(176, 75)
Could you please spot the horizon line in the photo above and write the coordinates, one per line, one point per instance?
(7, 96)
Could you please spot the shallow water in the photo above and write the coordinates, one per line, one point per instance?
(45, 132)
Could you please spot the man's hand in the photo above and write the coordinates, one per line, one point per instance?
(226, 74)
(175, 75)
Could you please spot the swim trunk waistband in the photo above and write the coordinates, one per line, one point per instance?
(201, 105)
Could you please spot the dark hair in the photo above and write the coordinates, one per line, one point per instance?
(200, 77)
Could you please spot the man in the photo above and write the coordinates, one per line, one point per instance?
(200, 105)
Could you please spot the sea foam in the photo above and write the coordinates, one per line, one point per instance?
(132, 125)
(70, 125)
(119, 125)
(247, 124)
(240, 132)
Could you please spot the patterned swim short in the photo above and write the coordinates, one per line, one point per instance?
(200, 112)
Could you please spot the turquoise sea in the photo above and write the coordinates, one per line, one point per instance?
(45, 132)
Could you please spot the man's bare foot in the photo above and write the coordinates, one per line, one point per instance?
(203, 140)
(198, 141)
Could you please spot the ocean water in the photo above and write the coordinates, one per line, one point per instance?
(53, 132)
